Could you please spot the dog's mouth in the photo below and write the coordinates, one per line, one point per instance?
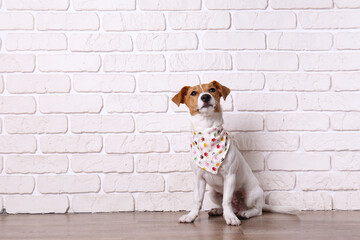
(207, 105)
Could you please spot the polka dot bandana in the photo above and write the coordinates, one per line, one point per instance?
(209, 148)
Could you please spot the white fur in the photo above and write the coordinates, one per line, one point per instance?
(235, 188)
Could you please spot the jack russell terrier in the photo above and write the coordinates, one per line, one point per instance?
(216, 161)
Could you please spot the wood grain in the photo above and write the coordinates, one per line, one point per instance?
(308, 225)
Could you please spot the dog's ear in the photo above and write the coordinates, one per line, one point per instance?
(222, 89)
(180, 97)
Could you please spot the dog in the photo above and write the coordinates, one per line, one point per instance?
(216, 161)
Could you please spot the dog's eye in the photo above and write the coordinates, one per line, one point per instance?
(212, 90)
(193, 93)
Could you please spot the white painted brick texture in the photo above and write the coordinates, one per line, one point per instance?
(86, 118)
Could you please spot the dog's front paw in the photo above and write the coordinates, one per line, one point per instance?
(232, 220)
(189, 218)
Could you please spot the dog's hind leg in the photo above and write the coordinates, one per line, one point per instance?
(217, 199)
(254, 201)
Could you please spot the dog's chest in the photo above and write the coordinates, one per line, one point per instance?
(214, 181)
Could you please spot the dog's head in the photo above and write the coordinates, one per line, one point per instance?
(202, 99)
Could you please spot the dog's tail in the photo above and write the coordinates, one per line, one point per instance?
(281, 209)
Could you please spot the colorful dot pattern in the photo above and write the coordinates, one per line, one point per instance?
(209, 148)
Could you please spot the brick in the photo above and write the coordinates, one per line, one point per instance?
(36, 83)
(347, 40)
(180, 182)
(264, 20)
(347, 4)
(297, 122)
(330, 61)
(65, 104)
(346, 82)
(102, 203)
(169, 5)
(134, 22)
(16, 21)
(69, 63)
(100, 43)
(163, 163)
(181, 142)
(16, 185)
(1, 167)
(266, 141)
(164, 201)
(37, 204)
(237, 81)
(136, 143)
(133, 183)
(331, 141)
(301, 4)
(163, 123)
(137, 103)
(166, 82)
(329, 181)
(71, 144)
(16, 105)
(330, 102)
(102, 124)
(266, 61)
(234, 41)
(276, 180)
(308, 201)
(35, 41)
(255, 160)
(329, 19)
(106, 83)
(17, 63)
(102, 163)
(59, 184)
(134, 63)
(236, 4)
(1, 84)
(346, 200)
(38, 164)
(227, 106)
(17, 144)
(37, 5)
(265, 101)
(199, 20)
(345, 121)
(67, 21)
(348, 161)
(36, 124)
(166, 41)
(298, 162)
(243, 122)
(107, 5)
(300, 41)
(182, 62)
(298, 82)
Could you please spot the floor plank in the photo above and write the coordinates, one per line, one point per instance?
(308, 225)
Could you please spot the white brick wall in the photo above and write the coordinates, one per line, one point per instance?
(86, 118)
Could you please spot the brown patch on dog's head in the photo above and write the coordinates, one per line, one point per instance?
(190, 95)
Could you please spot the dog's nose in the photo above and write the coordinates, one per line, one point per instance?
(205, 98)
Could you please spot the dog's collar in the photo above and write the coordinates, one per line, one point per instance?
(209, 148)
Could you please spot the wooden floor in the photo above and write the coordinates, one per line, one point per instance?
(146, 226)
